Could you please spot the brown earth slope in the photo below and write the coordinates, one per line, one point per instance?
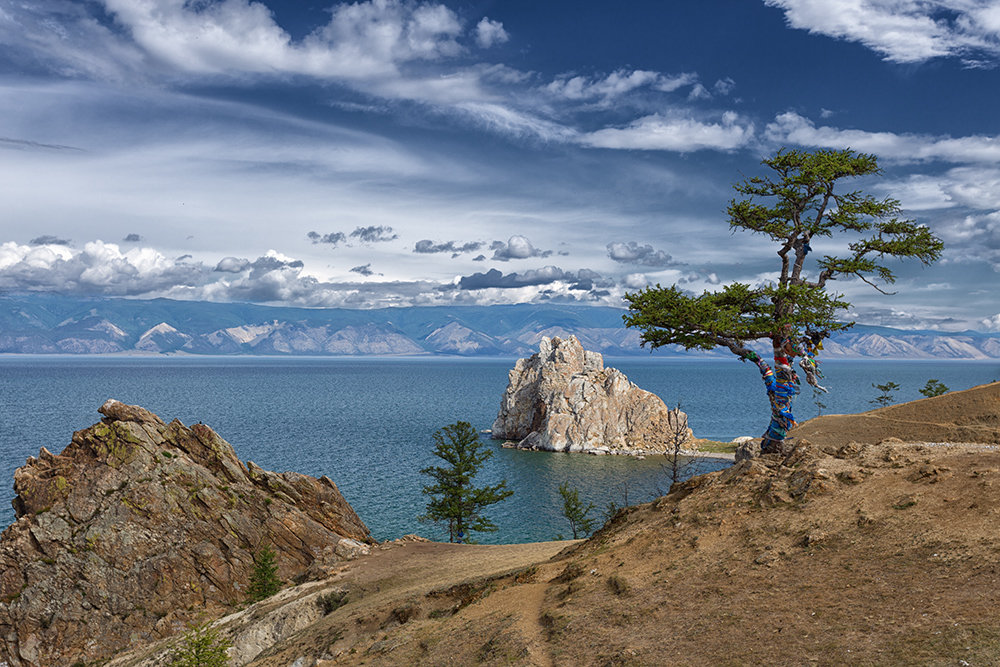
(972, 415)
(869, 554)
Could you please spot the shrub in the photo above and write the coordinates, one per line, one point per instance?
(201, 647)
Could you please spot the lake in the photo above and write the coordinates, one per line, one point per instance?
(367, 422)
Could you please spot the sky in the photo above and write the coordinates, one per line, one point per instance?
(393, 153)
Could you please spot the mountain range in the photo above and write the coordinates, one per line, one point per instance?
(53, 324)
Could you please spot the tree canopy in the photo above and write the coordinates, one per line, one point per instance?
(798, 201)
(454, 500)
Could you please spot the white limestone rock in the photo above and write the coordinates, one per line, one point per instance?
(563, 399)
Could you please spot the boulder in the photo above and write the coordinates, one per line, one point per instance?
(747, 449)
(139, 528)
(563, 399)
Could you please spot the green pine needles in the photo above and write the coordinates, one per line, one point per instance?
(201, 647)
(576, 511)
(798, 202)
(264, 581)
(454, 501)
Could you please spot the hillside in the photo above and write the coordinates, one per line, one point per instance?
(49, 324)
(854, 553)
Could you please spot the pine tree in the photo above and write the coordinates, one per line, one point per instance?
(799, 201)
(933, 388)
(264, 581)
(885, 397)
(575, 511)
(454, 501)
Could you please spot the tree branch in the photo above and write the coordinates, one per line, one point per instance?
(876, 287)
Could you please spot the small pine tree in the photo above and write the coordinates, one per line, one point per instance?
(264, 581)
(454, 501)
(201, 647)
(886, 397)
(934, 387)
(575, 511)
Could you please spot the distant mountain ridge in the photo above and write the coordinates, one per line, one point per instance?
(51, 324)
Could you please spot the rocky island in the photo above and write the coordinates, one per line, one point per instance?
(563, 399)
(139, 528)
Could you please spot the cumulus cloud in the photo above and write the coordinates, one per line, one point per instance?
(517, 247)
(973, 237)
(364, 270)
(132, 238)
(232, 265)
(332, 238)
(907, 31)
(790, 127)
(659, 132)
(992, 323)
(633, 253)
(531, 277)
(636, 281)
(489, 33)
(99, 268)
(48, 239)
(427, 246)
(374, 234)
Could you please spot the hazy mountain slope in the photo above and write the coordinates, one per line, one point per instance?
(46, 324)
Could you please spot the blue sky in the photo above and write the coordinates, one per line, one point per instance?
(386, 153)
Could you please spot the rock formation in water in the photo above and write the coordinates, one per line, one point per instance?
(563, 399)
(140, 527)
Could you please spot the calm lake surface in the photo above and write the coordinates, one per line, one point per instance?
(367, 423)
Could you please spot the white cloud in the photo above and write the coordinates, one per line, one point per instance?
(724, 86)
(490, 33)
(361, 40)
(658, 132)
(506, 120)
(904, 31)
(608, 87)
(518, 247)
(790, 127)
(636, 281)
(668, 83)
(992, 323)
(699, 92)
(99, 268)
(633, 253)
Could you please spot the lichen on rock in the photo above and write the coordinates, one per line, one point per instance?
(563, 399)
(139, 527)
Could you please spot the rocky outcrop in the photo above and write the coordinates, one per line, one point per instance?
(140, 527)
(563, 399)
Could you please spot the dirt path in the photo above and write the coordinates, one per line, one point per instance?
(414, 568)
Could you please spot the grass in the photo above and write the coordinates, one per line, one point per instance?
(716, 447)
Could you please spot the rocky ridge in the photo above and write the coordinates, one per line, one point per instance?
(563, 399)
(140, 527)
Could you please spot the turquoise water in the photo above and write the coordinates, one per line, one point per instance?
(367, 423)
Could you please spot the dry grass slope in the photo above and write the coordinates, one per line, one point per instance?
(844, 552)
